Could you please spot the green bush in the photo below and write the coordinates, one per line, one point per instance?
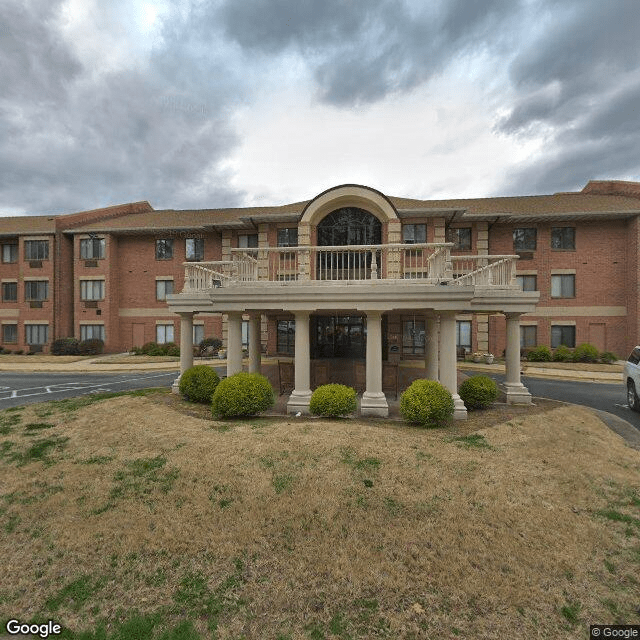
(585, 353)
(427, 403)
(333, 400)
(606, 357)
(65, 347)
(91, 347)
(242, 394)
(173, 350)
(540, 354)
(478, 392)
(562, 354)
(199, 383)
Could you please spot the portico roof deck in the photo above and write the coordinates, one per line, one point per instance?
(426, 263)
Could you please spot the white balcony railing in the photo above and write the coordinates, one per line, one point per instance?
(431, 263)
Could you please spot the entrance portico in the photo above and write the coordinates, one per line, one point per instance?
(343, 292)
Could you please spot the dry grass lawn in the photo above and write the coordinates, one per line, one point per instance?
(130, 511)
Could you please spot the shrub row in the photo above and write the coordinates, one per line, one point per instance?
(75, 347)
(155, 349)
(582, 353)
(426, 402)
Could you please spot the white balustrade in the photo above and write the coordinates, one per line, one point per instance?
(431, 263)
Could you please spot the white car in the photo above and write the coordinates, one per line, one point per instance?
(632, 379)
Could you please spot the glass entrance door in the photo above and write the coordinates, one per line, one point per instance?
(338, 337)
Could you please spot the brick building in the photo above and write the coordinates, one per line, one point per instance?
(107, 273)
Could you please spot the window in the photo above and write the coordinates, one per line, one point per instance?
(9, 333)
(563, 286)
(414, 233)
(528, 336)
(92, 332)
(9, 253)
(36, 290)
(248, 241)
(9, 292)
(563, 238)
(244, 332)
(565, 335)
(288, 237)
(463, 334)
(461, 238)
(92, 248)
(194, 249)
(91, 289)
(286, 337)
(164, 249)
(163, 289)
(36, 333)
(413, 337)
(164, 333)
(524, 239)
(36, 249)
(527, 283)
(198, 333)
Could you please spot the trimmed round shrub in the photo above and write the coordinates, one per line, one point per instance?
(65, 347)
(606, 357)
(562, 354)
(92, 347)
(242, 394)
(540, 354)
(585, 353)
(333, 400)
(427, 403)
(478, 392)
(199, 383)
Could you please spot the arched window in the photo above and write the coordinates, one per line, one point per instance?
(348, 226)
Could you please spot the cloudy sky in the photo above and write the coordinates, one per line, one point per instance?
(197, 103)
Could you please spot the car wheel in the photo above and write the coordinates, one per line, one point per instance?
(632, 396)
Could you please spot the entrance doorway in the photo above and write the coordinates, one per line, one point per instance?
(338, 337)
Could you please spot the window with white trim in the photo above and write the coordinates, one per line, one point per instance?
(91, 289)
(10, 252)
(9, 292)
(163, 289)
(463, 334)
(36, 290)
(36, 333)
(92, 332)
(563, 285)
(414, 233)
(36, 249)
(563, 335)
(248, 241)
(9, 333)
(164, 333)
(198, 333)
(527, 283)
(194, 249)
(92, 248)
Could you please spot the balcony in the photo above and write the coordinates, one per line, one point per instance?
(426, 264)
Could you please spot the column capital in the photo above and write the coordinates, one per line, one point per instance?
(513, 315)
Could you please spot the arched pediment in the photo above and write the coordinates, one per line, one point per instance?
(349, 195)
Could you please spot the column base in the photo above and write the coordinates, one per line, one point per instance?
(517, 393)
(175, 387)
(459, 410)
(299, 402)
(374, 404)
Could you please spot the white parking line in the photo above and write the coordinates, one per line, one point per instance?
(73, 386)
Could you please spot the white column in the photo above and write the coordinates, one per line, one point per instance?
(431, 346)
(448, 363)
(517, 393)
(374, 402)
(255, 344)
(186, 347)
(301, 395)
(234, 343)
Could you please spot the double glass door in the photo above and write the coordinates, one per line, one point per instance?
(338, 337)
